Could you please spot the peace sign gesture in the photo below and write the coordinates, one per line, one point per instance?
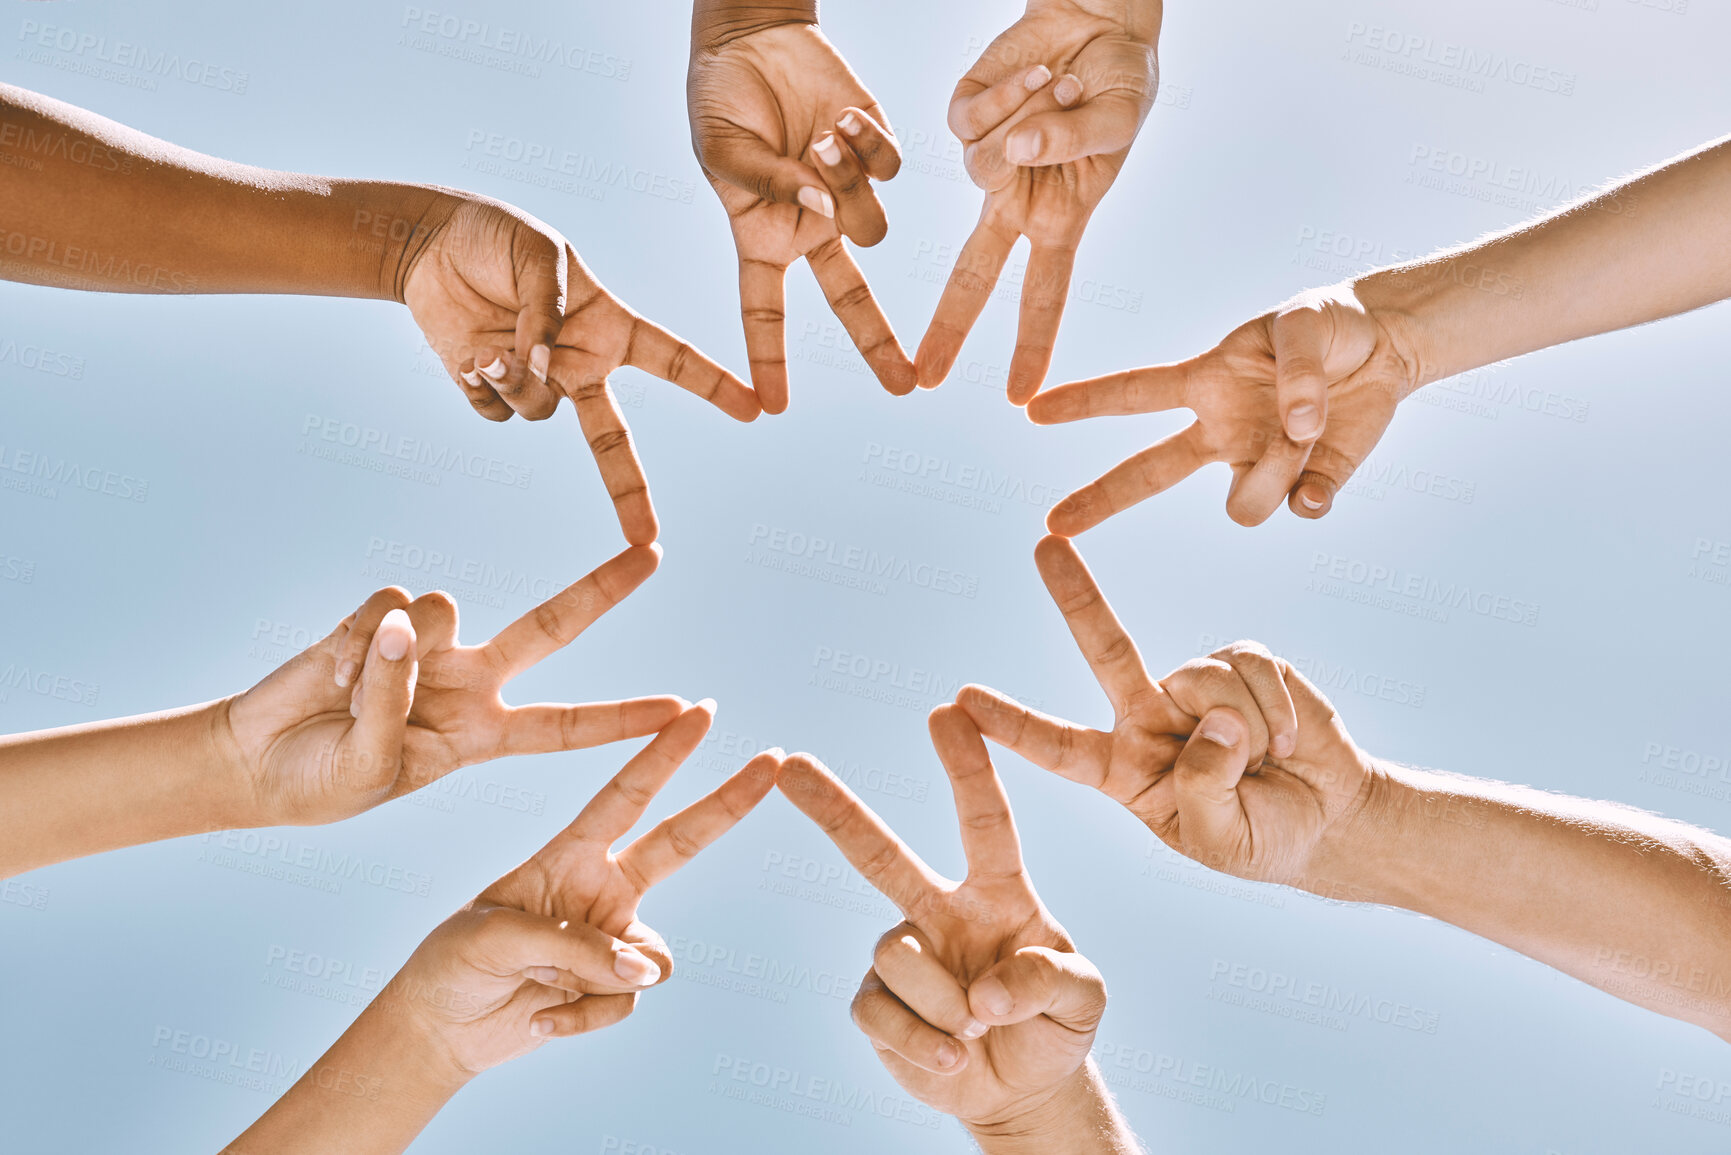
(977, 1003)
(310, 749)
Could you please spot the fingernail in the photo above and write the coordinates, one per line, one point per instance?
(635, 968)
(950, 1053)
(346, 672)
(539, 356)
(817, 202)
(542, 974)
(1308, 501)
(1303, 422)
(973, 1030)
(708, 704)
(1024, 147)
(826, 148)
(1283, 745)
(992, 995)
(1220, 732)
(394, 635)
(496, 370)
(777, 753)
(1036, 78)
(473, 378)
(850, 124)
(1068, 90)
(541, 1027)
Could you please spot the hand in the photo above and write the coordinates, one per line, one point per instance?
(315, 745)
(519, 321)
(555, 948)
(978, 1003)
(1293, 401)
(1045, 150)
(1268, 768)
(790, 139)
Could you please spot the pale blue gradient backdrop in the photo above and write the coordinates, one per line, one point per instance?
(1276, 137)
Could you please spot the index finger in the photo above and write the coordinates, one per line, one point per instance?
(618, 805)
(1150, 390)
(763, 310)
(976, 109)
(1109, 651)
(552, 625)
(1044, 288)
(969, 287)
(677, 840)
(872, 847)
(609, 440)
(844, 286)
(655, 350)
(982, 808)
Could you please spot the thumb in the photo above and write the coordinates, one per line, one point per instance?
(1205, 780)
(1301, 340)
(381, 704)
(542, 278)
(1037, 980)
(1104, 125)
(744, 159)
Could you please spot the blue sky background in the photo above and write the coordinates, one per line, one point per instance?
(1285, 151)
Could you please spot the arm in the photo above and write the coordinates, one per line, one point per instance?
(978, 1003)
(1647, 247)
(111, 208)
(553, 949)
(389, 702)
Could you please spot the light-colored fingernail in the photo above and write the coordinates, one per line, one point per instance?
(539, 356)
(708, 704)
(1068, 90)
(473, 378)
(1023, 147)
(547, 975)
(1303, 421)
(496, 370)
(1220, 732)
(817, 202)
(635, 968)
(973, 1030)
(1308, 501)
(993, 995)
(827, 150)
(395, 635)
(1036, 78)
(850, 124)
(346, 672)
(950, 1053)
(541, 1027)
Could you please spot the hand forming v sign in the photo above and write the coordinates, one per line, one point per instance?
(553, 949)
(519, 321)
(1297, 773)
(978, 1003)
(310, 748)
(790, 139)
(1047, 115)
(1293, 401)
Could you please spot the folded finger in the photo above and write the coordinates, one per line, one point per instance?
(1258, 491)
(588, 1013)
(1211, 819)
(892, 1027)
(1103, 124)
(565, 954)
(481, 395)
(1136, 478)
(908, 967)
(844, 286)
(875, 145)
(1265, 676)
(858, 214)
(1062, 985)
(357, 638)
(976, 110)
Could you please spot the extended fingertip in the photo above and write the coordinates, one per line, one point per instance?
(817, 201)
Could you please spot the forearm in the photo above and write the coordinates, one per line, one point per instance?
(92, 204)
(372, 1093)
(85, 789)
(1079, 1118)
(715, 22)
(1637, 905)
(1648, 247)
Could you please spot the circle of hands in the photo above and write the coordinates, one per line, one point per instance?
(978, 1003)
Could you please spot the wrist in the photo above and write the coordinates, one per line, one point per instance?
(1412, 305)
(381, 229)
(1360, 855)
(1074, 1117)
(715, 23)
